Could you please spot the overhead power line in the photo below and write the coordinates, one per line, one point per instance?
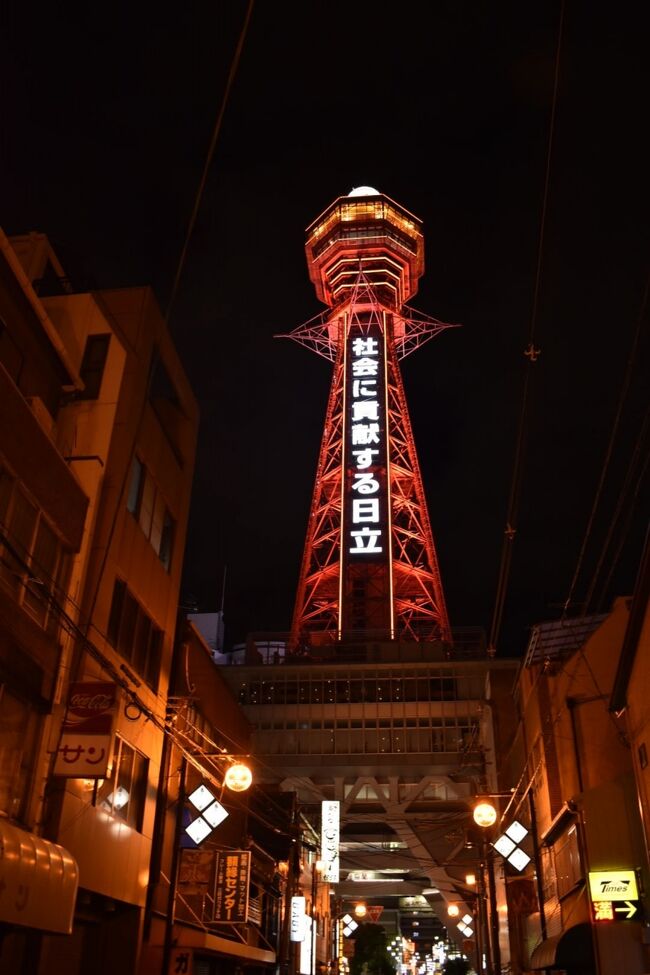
(532, 354)
(208, 160)
(625, 386)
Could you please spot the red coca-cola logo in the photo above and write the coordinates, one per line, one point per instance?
(91, 702)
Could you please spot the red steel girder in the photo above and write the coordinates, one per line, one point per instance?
(419, 609)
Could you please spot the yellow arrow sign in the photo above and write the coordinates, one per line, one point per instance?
(629, 910)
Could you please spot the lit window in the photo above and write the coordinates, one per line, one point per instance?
(123, 793)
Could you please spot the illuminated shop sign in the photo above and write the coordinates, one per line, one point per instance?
(613, 885)
(232, 886)
(330, 828)
(366, 447)
(85, 748)
(614, 895)
(298, 919)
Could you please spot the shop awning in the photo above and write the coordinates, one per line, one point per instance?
(38, 881)
(204, 941)
(574, 947)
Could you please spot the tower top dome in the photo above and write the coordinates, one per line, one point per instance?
(364, 191)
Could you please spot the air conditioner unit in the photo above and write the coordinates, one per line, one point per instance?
(42, 414)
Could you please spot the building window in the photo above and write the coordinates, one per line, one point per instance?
(18, 725)
(134, 634)
(135, 486)
(34, 565)
(92, 365)
(123, 793)
(568, 866)
(147, 505)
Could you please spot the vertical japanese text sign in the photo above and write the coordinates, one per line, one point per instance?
(365, 447)
(298, 919)
(232, 885)
(87, 732)
(330, 828)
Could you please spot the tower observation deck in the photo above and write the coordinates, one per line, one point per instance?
(369, 569)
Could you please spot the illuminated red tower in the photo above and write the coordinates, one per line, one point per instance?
(369, 569)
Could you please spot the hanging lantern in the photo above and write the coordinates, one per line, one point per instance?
(485, 814)
(238, 777)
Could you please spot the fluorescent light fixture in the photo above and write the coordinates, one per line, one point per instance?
(198, 829)
(215, 814)
(516, 831)
(201, 798)
(467, 918)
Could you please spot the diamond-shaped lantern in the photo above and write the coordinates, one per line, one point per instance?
(349, 925)
(508, 846)
(212, 813)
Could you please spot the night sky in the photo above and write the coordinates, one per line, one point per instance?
(445, 107)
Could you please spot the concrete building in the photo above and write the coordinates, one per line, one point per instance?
(404, 741)
(630, 701)
(571, 769)
(183, 918)
(98, 442)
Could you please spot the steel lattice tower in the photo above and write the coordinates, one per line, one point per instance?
(369, 569)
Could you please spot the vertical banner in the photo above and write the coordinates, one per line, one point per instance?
(232, 884)
(85, 749)
(298, 919)
(366, 515)
(330, 829)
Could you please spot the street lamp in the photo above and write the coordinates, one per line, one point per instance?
(485, 816)
(237, 778)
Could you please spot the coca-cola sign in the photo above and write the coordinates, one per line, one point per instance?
(89, 704)
(90, 708)
(86, 742)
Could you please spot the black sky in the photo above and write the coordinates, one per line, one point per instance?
(106, 119)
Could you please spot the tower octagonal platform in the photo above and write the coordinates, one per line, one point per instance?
(368, 233)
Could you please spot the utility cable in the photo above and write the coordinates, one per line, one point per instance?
(532, 354)
(208, 160)
(624, 531)
(610, 448)
(637, 454)
(128, 464)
